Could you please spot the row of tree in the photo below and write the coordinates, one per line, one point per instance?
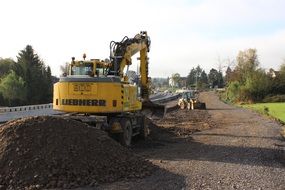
(197, 77)
(25, 81)
(248, 82)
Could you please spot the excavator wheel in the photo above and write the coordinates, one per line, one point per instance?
(125, 138)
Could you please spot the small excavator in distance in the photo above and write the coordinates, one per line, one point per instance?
(99, 91)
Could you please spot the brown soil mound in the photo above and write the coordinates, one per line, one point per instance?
(51, 152)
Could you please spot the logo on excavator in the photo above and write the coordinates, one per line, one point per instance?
(83, 102)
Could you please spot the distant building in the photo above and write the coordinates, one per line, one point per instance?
(272, 73)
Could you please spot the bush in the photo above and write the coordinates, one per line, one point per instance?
(274, 98)
(266, 110)
(233, 91)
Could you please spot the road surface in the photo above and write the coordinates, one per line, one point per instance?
(242, 151)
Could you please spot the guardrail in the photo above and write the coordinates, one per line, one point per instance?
(25, 108)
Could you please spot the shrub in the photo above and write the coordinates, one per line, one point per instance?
(274, 98)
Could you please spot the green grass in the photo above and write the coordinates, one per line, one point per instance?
(276, 110)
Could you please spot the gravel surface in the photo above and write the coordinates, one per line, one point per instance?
(235, 149)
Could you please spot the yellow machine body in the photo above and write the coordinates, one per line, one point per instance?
(95, 97)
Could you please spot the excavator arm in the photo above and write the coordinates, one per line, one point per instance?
(122, 52)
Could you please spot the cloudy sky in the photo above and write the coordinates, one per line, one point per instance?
(184, 33)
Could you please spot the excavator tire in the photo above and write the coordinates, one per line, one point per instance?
(125, 138)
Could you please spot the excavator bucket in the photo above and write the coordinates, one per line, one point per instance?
(153, 109)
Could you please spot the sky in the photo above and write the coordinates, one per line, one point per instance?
(184, 33)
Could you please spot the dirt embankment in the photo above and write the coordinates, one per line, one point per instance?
(50, 152)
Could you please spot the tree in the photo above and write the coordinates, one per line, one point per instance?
(228, 75)
(6, 65)
(203, 82)
(278, 82)
(191, 78)
(247, 63)
(49, 85)
(197, 77)
(175, 79)
(213, 77)
(253, 83)
(13, 89)
(34, 73)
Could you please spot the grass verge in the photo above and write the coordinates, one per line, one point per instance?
(275, 110)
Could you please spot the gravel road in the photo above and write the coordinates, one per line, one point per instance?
(242, 151)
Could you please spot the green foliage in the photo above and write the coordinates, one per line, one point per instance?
(36, 75)
(197, 77)
(13, 89)
(275, 110)
(248, 83)
(233, 91)
(28, 74)
(256, 86)
(274, 98)
(247, 63)
(266, 110)
(216, 78)
(5, 66)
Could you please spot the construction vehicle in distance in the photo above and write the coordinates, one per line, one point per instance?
(100, 92)
(189, 99)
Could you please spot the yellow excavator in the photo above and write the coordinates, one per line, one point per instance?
(101, 92)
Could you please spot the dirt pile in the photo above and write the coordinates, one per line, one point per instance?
(185, 122)
(50, 152)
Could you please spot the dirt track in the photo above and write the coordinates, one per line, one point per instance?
(242, 151)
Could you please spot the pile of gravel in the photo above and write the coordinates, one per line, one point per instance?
(51, 152)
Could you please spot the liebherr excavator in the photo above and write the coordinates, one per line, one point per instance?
(102, 91)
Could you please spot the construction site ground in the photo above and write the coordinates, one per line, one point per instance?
(223, 147)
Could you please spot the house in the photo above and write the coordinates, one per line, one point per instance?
(273, 74)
